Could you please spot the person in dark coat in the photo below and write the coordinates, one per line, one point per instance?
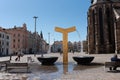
(116, 59)
(19, 55)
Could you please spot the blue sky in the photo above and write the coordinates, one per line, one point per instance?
(50, 13)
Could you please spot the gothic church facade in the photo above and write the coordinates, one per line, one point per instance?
(103, 31)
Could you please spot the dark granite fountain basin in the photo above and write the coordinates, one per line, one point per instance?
(47, 60)
(83, 60)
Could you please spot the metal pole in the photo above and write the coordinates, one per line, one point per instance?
(35, 35)
(35, 22)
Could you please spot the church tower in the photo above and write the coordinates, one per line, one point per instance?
(103, 35)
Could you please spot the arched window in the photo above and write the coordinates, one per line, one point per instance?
(108, 24)
(93, 19)
(101, 26)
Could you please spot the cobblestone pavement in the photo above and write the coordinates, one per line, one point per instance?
(72, 71)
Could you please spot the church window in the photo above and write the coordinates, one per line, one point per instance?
(101, 26)
(108, 24)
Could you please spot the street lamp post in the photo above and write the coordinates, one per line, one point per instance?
(35, 36)
(35, 22)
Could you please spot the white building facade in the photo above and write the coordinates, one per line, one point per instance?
(4, 43)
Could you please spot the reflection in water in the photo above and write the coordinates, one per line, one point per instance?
(38, 68)
(65, 69)
(89, 66)
(48, 69)
(51, 72)
(59, 68)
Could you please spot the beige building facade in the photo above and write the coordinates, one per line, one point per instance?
(21, 39)
(18, 38)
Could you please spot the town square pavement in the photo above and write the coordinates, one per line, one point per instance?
(72, 71)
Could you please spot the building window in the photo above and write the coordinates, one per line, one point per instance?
(13, 40)
(18, 35)
(0, 35)
(18, 40)
(7, 37)
(3, 35)
(7, 43)
(13, 46)
(7, 51)
(93, 16)
(109, 24)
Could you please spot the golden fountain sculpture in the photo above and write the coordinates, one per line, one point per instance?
(65, 41)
